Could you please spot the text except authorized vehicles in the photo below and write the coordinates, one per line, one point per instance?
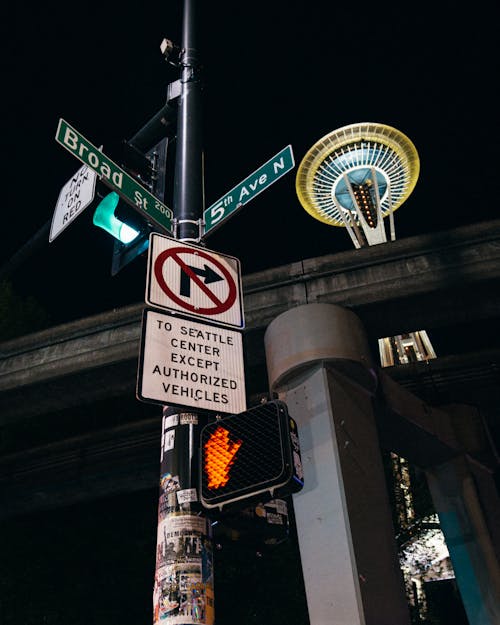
(178, 356)
(188, 363)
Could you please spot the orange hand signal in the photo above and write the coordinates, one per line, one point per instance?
(220, 455)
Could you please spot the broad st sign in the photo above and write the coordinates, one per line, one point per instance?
(115, 177)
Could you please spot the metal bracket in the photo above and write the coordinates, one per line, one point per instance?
(174, 90)
(199, 222)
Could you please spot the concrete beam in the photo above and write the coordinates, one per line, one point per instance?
(430, 279)
(421, 277)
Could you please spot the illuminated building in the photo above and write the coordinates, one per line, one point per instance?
(423, 554)
(405, 348)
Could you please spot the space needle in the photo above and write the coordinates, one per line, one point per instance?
(356, 176)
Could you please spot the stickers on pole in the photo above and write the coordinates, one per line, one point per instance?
(183, 588)
(183, 583)
(183, 362)
(195, 281)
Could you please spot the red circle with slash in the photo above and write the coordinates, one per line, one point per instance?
(219, 306)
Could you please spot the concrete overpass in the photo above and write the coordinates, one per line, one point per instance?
(432, 282)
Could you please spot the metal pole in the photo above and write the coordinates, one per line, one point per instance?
(183, 586)
(188, 183)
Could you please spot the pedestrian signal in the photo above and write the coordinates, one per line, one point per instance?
(254, 454)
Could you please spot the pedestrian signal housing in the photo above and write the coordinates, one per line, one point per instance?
(252, 455)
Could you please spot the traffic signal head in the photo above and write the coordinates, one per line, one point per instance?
(252, 455)
(105, 217)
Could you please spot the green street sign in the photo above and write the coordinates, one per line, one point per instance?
(115, 177)
(242, 193)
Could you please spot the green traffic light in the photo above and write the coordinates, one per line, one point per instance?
(104, 217)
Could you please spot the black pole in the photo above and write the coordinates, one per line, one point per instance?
(184, 585)
(188, 182)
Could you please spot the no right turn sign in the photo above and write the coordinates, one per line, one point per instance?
(195, 281)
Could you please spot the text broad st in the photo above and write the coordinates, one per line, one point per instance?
(115, 177)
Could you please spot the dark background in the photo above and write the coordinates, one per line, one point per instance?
(275, 73)
(94, 564)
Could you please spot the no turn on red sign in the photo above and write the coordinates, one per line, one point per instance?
(195, 281)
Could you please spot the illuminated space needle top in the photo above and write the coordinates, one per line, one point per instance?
(357, 175)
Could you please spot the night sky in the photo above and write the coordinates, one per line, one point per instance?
(274, 73)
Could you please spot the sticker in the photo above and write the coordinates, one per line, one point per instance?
(187, 495)
(168, 435)
(188, 418)
(181, 596)
(281, 507)
(297, 462)
(183, 589)
(168, 440)
(168, 483)
(170, 421)
(260, 511)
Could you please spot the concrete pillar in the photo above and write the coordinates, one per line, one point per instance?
(319, 364)
(469, 543)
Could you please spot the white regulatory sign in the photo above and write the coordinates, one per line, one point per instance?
(193, 280)
(189, 363)
(73, 198)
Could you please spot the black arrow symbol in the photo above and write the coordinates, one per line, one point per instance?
(207, 273)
